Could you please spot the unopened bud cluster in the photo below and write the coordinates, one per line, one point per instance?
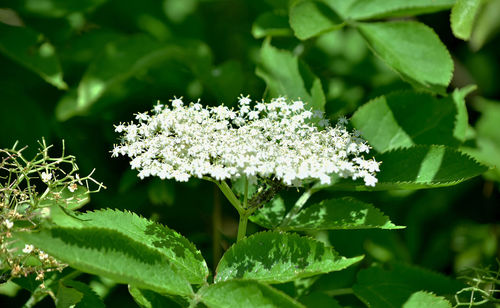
(280, 140)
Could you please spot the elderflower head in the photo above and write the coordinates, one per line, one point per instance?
(276, 140)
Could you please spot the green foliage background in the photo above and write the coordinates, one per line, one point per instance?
(71, 69)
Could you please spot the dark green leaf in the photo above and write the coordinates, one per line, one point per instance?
(33, 51)
(182, 255)
(286, 75)
(343, 213)
(366, 9)
(150, 299)
(413, 50)
(248, 294)
(416, 167)
(463, 15)
(319, 300)
(424, 299)
(385, 289)
(275, 257)
(271, 24)
(270, 215)
(309, 18)
(407, 118)
(88, 298)
(67, 297)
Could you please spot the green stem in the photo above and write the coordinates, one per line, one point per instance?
(297, 207)
(242, 226)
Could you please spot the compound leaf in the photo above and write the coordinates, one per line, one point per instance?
(413, 50)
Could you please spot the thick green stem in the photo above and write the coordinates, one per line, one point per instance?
(242, 227)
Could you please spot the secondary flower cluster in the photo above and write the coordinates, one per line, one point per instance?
(279, 139)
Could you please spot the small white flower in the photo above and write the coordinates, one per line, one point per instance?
(244, 100)
(72, 187)
(46, 176)
(9, 224)
(177, 102)
(42, 255)
(28, 248)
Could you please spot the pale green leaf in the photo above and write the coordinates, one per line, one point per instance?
(367, 9)
(416, 167)
(425, 299)
(487, 24)
(33, 51)
(181, 254)
(248, 294)
(67, 297)
(286, 75)
(110, 254)
(309, 18)
(271, 24)
(413, 50)
(380, 288)
(61, 196)
(463, 15)
(275, 257)
(487, 137)
(406, 118)
(342, 213)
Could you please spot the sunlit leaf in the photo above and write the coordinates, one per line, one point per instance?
(406, 118)
(416, 167)
(33, 51)
(413, 50)
(275, 257)
(462, 18)
(309, 18)
(425, 299)
(286, 75)
(366, 9)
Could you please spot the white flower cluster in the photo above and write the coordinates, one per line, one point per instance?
(277, 140)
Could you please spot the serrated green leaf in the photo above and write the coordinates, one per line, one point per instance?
(56, 8)
(61, 196)
(271, 24)
(463, 15)
(67, 297)
(309, 18)
(181, 254)
(248, 294)
(413, 50)
(87, 298)
(286, 75)
(385, 289)
(342, 213)
(275, 257)
(416, 167)
(112, 255)
(367, 9)
(425, 299)
(406, 118)
(33, 51)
